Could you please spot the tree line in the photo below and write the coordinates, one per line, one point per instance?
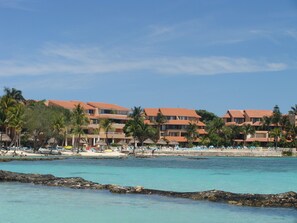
(32, 123)
(278, 127)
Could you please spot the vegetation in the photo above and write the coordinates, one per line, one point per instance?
(191, 134)
(32, 123)
(138, 129)
(206, 116)
(106, 125)
(79, 121)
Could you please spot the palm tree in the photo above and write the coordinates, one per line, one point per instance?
(58, 127)
(215, 131)
(15, 120)
(276, 116)
(145, 131)
(266, 123)
(292, 133)
(137, 113)
(275, 133)
(15, 94)
(191, 133)
(293, 110)
(247, 130)
(106, 125)
(131, 128)
(79, 120)
(235, 132)
(160, 120)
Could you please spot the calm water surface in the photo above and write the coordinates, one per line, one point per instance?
(25, 203)
(253, 175)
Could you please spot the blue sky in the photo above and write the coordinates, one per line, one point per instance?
(201, 54)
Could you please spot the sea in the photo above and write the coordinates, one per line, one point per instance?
(27, 203)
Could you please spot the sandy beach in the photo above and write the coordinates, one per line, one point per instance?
(11, 155)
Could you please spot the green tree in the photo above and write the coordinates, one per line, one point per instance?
(79, 121)
(136, 127)
(276, 134)
(191, 134)
(14, 94)
(266, 123)
(15, 120)
(160, 120)
(38, 124)
(145, 131)
(106, 125)
(247, 130)
(276, 116)
(58, 128)
(215, 131)
(293, 110)
(206, 116)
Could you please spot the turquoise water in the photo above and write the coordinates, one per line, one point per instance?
(26, 203)
(35, 204)
(253, 175)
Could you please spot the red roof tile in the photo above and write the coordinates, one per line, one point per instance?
(101, 105)
(179, 112)
(69, 104)
(236, 113)
(151, 111)
(258, 113)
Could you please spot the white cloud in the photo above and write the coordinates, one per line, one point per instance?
(65, 59)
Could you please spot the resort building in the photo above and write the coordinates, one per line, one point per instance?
(177, 120)
(293, 119)
(253, 118)
(95, 112)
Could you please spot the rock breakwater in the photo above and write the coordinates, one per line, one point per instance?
(286, 200)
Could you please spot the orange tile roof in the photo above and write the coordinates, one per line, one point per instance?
(258, 113)
(179, 112)
(101, 105)
(227, 115)
(151, 111)
(69, 104)
(236, 113)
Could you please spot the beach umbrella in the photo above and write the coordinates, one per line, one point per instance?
(82, 141)
(5, 138)
(132, 141)
(161, 142)
(52, 141)
(101, 143)
(148, 141)
(122, 143)
(173, 143)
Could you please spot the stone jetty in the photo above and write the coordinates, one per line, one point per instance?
(285, 200)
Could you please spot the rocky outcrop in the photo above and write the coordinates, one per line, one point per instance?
(288, 199)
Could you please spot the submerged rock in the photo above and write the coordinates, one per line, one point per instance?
(287, 200)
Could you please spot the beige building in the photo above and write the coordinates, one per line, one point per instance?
(177, 120)
(252, 117)
(96, 111)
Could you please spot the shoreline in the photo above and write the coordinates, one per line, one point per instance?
(25, 156)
